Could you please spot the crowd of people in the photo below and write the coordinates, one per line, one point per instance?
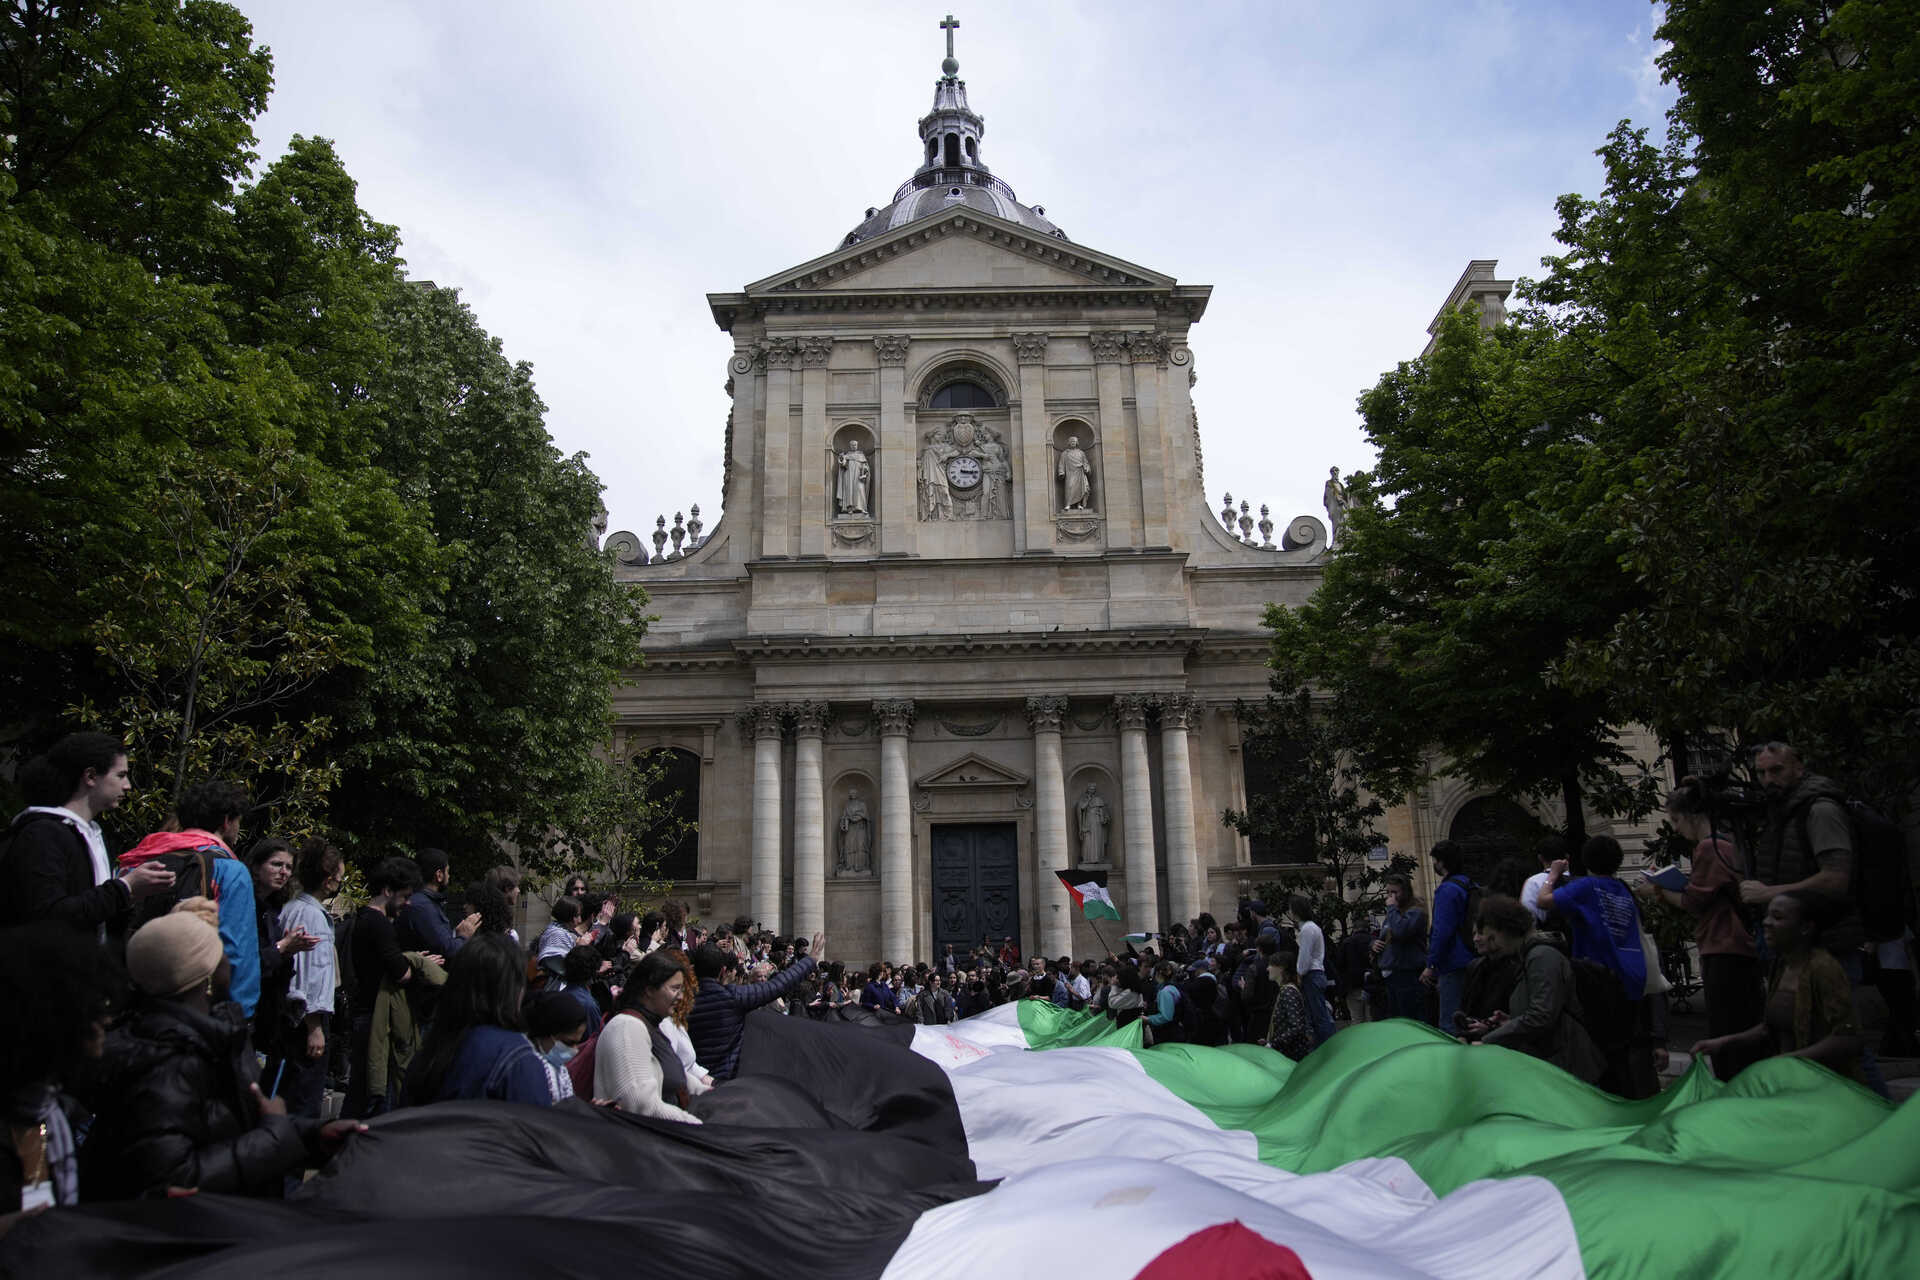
(191, 1008)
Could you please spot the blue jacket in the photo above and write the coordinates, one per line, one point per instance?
(1445, 952)
(719, 1018)
(423, 926)
(876, 995)
(1406, 940)
(493, 1062)
(239, 930)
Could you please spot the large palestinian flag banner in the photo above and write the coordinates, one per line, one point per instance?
(1033, 1141)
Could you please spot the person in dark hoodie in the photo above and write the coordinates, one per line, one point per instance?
(720, 1007)
(178, 1104)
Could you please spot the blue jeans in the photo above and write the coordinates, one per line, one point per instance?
(1452, 987)
(1313, 985)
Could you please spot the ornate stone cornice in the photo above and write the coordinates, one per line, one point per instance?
(1046, 712)
(1179, 640)
(1176, 710)
(815, 352)
(895, 717)
(1108, 348)
(1147, 347)
(810, 719)
(763, 719)
(779, 353)
(1030, 348)
(890, 348)
(1130, 710)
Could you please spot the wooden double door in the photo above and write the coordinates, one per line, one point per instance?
(976, 884)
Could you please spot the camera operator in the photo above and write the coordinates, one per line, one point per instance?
(1806, 849)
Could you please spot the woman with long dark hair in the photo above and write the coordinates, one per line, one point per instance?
(477, 1046)
(635, 1066)
(271, 861)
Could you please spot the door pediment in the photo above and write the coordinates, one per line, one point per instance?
(972, 770)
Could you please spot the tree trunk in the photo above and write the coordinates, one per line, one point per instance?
(1576, 813)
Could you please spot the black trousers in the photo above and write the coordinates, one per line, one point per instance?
(292, 1075)
(1736, 1000)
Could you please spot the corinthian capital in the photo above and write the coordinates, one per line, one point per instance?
(1130, 710)
(780, 353)
(895, 717)
(1030, 348)
(891, 348)
(809, 719)
(815, 352)
(1147, 347)
(1108, 348)
(763, 719)
(1177, 710)
(1046, 712)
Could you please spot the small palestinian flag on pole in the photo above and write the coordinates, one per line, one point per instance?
(1089, 890)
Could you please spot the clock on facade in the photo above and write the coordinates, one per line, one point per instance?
(963, 473)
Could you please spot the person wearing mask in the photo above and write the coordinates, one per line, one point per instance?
(179, 1105)
(296, 1066)
(376, 956)
(556, 1028)
(1809, 1003)
(477, 1046)
(271, 862)
(1540, 1014)
(635, 1066)
(579, 968)
(56, 865)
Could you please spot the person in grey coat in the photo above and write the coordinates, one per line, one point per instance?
(1542, 1015)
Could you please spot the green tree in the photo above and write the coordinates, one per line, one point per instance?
(618, 832)
(1315, 804)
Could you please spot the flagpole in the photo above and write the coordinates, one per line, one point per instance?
(1095, 924)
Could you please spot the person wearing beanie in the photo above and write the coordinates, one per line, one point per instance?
(178, 1102)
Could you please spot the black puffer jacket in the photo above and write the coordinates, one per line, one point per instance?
(172, 1109)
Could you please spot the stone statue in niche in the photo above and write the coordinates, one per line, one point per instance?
(853, 855)
(852, 479)
(1095, 818)
(966, 472)
(1076, 475)
(936, 496)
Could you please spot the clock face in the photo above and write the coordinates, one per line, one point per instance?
(963, 473)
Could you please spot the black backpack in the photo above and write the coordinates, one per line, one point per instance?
(1882, 888)
(192, 878)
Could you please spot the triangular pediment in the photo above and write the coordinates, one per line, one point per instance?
(972, 770)
(966, 250)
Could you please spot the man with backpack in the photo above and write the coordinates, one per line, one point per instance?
(56, 865)
(1450, 942)
(1808, 849)
(200, 855)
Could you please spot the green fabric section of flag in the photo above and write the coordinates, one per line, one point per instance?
(1089, 893)
(1048, 1026)
(1788, 1169)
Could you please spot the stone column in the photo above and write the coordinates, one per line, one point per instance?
(764, 719)
(1032, 503)
(1149, 352)
(1120, 504)
(896, 832)
(1054, 906)
(812, 497)
(809, 821)
(1136, 805)
(777, 516)
(1176, 797)
(895, 457)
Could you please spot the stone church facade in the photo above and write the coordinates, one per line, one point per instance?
(968, 617)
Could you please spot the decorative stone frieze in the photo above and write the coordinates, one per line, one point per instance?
(780, 352)
(1147, 347)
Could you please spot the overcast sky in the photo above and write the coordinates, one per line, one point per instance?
(585, 173)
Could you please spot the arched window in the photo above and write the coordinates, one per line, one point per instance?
(973, 150)
(962, 395)
(953, 148)
(1270, 764)
(674, 844)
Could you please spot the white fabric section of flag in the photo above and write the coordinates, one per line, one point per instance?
(1093, 891)
(1105, 1169)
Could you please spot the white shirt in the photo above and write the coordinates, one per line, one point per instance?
(1313, 948)
(1081, 988)
(89, 831)
(1530, 896)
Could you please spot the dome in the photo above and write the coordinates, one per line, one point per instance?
(952, 172)
(938, 191)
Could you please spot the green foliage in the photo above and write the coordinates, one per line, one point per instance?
(271, 509)
(1315, 802)
(618, 833)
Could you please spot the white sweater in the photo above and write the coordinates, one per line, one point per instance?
(625, 1074)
